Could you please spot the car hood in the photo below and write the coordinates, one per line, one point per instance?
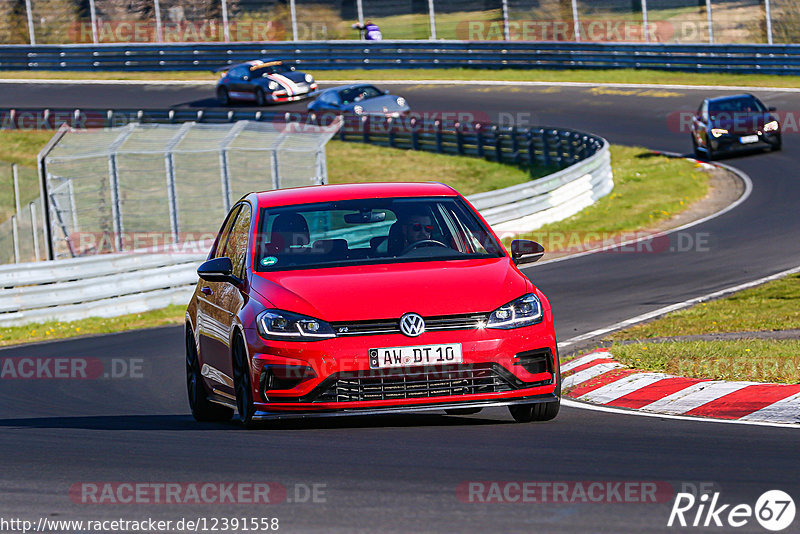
(377, 104)
(389, 291)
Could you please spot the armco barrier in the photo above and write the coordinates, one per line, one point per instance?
(329, 55)
(108, 285)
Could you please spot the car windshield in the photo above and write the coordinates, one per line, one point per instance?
(745, 104)
(370, 231)
(276, 68)
(358, 94)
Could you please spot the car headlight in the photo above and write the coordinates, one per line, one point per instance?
(358, 110)
(524, 311)
(716, 132)
(771, 126)
(401, 101)
(309, 78)
(272, 85)
(288, 326)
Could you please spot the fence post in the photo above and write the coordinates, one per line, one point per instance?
(769, 21)
(113, 182)
(360, 9)
(33, 231)
(293, 11)
(93, 18)
(172, 193)
(31, 33)
(15, 237)
(432, 17)
(226, 30)
(273, 161)
(44, 194)
(225, 176)
(15, 174)
(710, 22)
(644, 21)
(506, 30)
(159, 31)
(576, 21)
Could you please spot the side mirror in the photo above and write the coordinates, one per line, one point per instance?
(218, 270)
(524, 251)
(386, 91)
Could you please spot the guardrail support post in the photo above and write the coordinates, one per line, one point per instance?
(498, 144)
(514, 144)
(546, 148)
(390, 123)
(479, 140)
(459, 139)
(438, 126)
(365, 128)
(414, 134)
(531, 151)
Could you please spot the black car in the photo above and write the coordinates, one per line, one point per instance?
(268, 81)
(360, 99)
(730, 124)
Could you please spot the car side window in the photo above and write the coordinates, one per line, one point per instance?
(236, 246)
(330, 98)
(225, 232)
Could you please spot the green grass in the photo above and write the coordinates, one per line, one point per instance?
(648, 188)
(20, 147)
(95, 325)
(772, 306)
(349, 162)
(751, 360)
(627, 76)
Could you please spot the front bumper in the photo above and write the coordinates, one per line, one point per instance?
(500, 366)
(733, 142)
(278, 415)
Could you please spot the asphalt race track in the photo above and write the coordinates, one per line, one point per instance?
(404, 473)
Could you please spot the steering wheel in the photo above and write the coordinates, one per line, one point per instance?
(423, 243)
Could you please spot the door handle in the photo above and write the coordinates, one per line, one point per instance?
(206, 290)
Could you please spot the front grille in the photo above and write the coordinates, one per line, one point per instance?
(469, 321)
(452, 381)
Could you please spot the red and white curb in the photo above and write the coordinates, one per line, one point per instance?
(599, 379)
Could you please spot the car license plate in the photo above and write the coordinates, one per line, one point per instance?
(390, 357)
(748, 139)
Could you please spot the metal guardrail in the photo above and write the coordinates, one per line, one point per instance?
(332, 55)
(108, 285)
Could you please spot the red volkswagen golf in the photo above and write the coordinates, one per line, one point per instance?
(366, 299)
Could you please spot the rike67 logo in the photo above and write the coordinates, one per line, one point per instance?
(774, 510)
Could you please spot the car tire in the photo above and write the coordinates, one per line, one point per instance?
(698, 154)
(223, 97)
(540, 411)
(261, 97)
(242, 385)
(462, 411)
(202, 408)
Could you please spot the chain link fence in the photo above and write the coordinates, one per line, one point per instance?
(152, 186)
(186, 21)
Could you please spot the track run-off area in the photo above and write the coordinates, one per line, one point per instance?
(415, 473)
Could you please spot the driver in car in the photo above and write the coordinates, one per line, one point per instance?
(416, 227)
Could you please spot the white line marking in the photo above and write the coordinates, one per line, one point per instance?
(787, 409)
(674, 307)
(622, 411)
(588, 374)
(694, 396)
(584, 359)
(622, 387)
(716, 88)
(748, 189)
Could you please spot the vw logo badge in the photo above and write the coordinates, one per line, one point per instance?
(412, 324)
